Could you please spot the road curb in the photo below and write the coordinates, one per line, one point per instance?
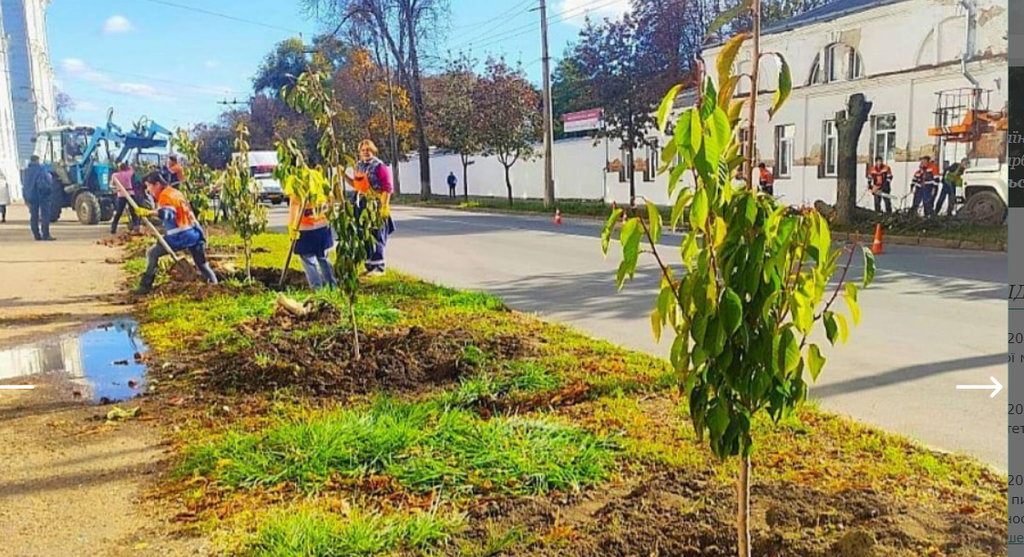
(855, 237)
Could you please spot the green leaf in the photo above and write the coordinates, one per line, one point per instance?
(665, 109)
(682, 200)
(831, 329)
(653, 221)
(732, 311)
(844, 329)
(687, 135)
(727, 58)
(854, 309)
(789, 351)
(718, 420)
(699, 210)
(785, 85)
(851, 291)
(719, 135)
(824, 239)
(688, 249)
(674, 177)
(709, 99)
(609, 227)
(620, 276)
(869, 266)
(668, 156)
(815, 361)
(727, 16)
(750, 210)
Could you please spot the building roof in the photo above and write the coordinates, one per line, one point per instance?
(828, 12)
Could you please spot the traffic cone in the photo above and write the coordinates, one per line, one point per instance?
(558, 216)
(876, 246)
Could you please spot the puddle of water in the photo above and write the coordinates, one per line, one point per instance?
(100, 365)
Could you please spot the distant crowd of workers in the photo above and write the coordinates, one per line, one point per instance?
(931, 188)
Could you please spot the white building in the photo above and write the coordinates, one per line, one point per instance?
(29, 79)
(8, 144)
(898, 53)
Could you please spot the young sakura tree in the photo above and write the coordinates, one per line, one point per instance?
(241, 194)
(197, 173)
(756, 279)
(353, 229)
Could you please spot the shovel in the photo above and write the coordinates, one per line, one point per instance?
(181, 269)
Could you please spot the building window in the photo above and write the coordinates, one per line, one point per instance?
(830, 152)
(784, 150)
(651, 169)
(883, 137)
(853, 64)
(832, 62)
(627, 165)
(837, 62)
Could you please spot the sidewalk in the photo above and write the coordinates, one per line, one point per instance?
(52, 287)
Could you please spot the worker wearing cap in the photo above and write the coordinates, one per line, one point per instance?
(766, 179)
(925, 184)
(181, 231)
(879, 183)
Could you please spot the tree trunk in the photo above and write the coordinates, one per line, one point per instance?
(355, 330)
(748, 172)
(418, 114)
(508, 185)
(465, 174)
(248, 261)
(632, 175)
(849, 124)
(743, 507)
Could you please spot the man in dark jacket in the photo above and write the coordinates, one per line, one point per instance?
(37, 187)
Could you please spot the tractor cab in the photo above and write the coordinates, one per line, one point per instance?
(80, 160)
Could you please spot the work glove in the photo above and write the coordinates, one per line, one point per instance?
(144, 212)
(293, 233)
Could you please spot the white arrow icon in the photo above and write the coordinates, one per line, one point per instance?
(995, 386)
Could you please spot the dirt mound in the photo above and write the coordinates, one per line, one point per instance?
(668, 514)
(286, 354)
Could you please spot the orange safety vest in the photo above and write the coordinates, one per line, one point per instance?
(766, 177)
(361, 182)
(176, 201)
(879, 176)
(310, 219)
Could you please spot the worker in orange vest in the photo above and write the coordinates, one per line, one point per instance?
(767, 180)
(880, 182)
(181, 231)
(925, 184)
(313, 240)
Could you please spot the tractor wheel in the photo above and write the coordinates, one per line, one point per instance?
(985, 207)
(106, 210)
(88, 208)
(56, 206)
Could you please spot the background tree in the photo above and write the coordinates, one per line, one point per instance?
(216, 143)
(241, 193)
(197, 174)
(65, 105)
(849, 124)
(404, 27)
(289, 59)
(455, 115)
(569, 90)
(756, 280)
(510, 107)
(617, 67)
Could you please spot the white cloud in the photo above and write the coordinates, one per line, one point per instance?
(78, 69)
(576, 11)
(212, 64)
(117, 25)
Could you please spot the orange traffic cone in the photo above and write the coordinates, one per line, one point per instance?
(876, 246)
(558, 216)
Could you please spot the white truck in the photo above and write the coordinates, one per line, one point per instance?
(986, 194)
(261, 168)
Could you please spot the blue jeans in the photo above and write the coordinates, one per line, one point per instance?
(923, 195)
(318, 271)
(198, 253)
(948, 191)
(39, 217)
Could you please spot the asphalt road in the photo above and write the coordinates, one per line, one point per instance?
(933, 320)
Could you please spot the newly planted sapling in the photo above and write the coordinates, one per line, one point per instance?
(241, 194)
(756, 283)
(353, 229)
(197, 174)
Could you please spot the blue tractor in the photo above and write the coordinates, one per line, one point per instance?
(81, 159)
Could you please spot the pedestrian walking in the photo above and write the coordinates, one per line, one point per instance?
(37, 187)
(880, 185)
(952, 182)
(373, 178)
(313, 240)
(124, 176)
(452, 182)
(766, 179)
(181, 231)
(5, 196)
(924, 185)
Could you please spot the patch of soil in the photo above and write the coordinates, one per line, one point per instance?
(285, 355)
(666, 514)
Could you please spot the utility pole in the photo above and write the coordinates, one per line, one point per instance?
(549, 184)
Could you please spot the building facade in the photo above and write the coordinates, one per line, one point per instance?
(899, 53)
(8, 141)
(30, 74)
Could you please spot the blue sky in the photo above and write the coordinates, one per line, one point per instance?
(166, 60)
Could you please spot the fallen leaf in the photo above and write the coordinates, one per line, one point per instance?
(120, 414)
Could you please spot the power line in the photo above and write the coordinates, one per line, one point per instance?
(495, 18)
(221, 15)
(533, 27)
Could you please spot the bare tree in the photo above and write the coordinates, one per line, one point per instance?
(403, 26)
